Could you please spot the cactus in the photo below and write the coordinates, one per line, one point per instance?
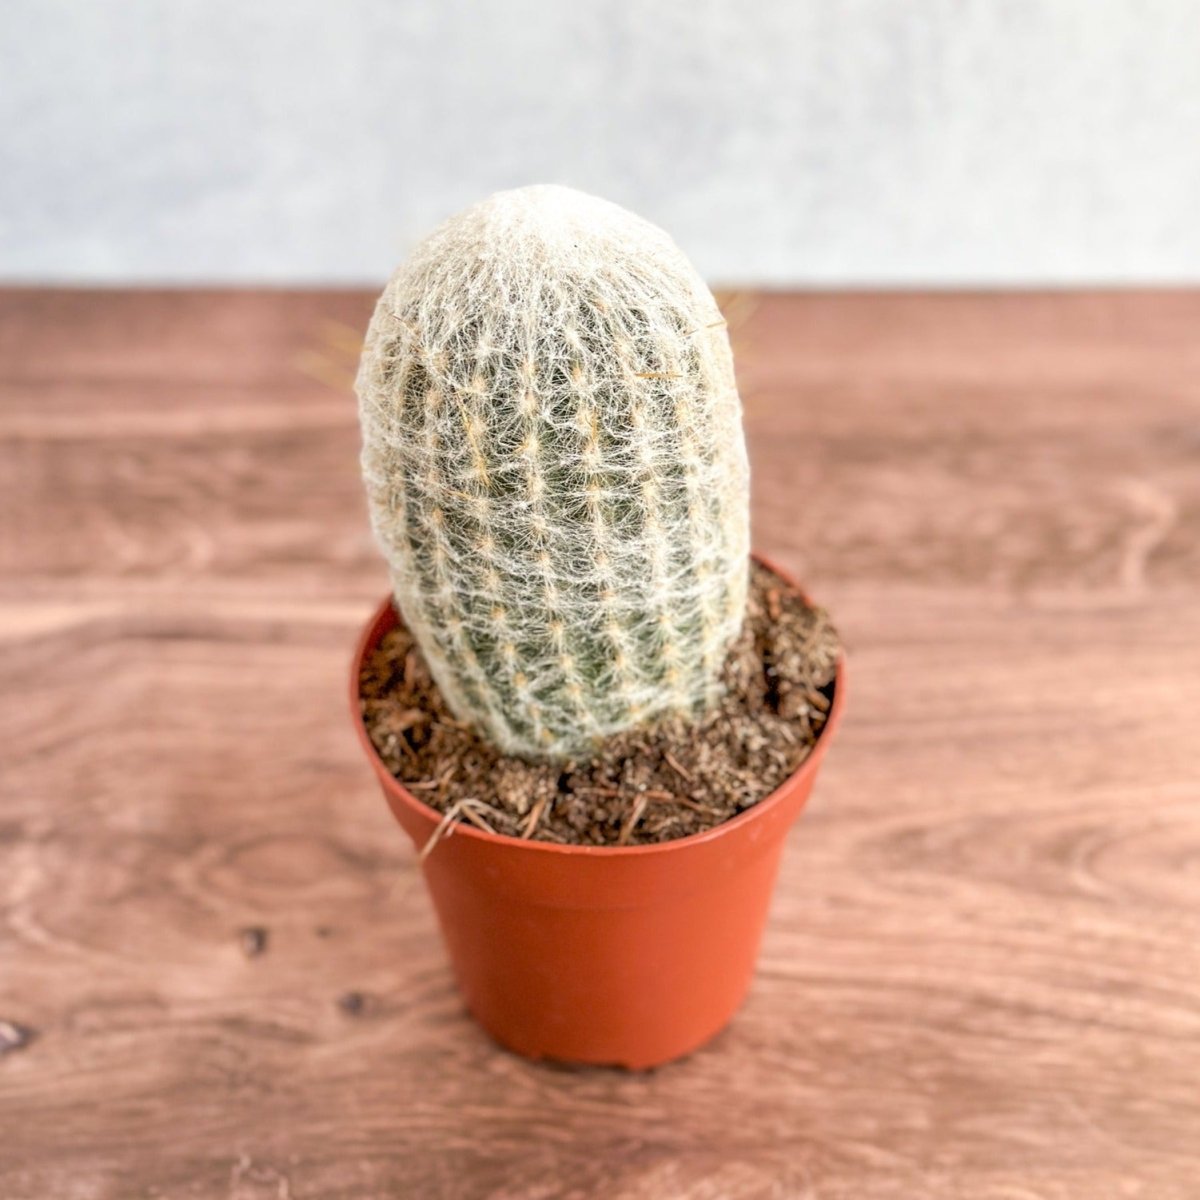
(556, 470)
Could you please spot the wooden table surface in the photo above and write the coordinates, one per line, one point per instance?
(982, 973)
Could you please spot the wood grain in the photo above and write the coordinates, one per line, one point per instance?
(982, 975)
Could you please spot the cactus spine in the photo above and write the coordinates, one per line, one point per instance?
(556, 469)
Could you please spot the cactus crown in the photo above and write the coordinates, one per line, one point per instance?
(556, 469)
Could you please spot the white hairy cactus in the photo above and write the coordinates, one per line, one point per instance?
(556, 469)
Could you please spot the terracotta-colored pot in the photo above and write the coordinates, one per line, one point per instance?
(618, 955)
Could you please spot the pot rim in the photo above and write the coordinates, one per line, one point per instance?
(398, 791)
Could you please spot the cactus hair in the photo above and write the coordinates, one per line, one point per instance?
(556, 469)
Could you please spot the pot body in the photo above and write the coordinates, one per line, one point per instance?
(628, 956)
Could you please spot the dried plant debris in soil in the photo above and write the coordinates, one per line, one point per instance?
(666, 781)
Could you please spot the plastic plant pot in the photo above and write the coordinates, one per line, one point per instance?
(616, 955)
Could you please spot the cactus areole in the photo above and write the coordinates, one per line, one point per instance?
(556, 470)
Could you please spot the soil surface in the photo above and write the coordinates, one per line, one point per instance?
(676, 777)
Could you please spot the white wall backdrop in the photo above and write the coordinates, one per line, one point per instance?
(780, 141)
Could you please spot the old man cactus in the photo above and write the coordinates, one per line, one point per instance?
(556, 470)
